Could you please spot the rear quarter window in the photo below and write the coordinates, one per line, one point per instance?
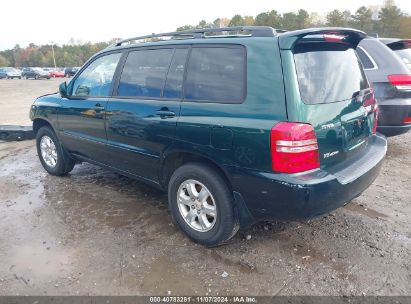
(328, 72)
(365, 59)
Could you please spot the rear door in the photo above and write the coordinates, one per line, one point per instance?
(141, 118)
(329, 90)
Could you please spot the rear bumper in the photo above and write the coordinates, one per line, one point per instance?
(394, 130)
(391, 116)
(297, 196)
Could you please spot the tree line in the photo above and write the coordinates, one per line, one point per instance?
(387, 20)
(42, 56)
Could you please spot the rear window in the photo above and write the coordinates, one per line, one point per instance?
(216, 74)
(328, 72)
(405, 56)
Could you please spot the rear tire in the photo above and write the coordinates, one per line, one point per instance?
(53, 157)
(190, 209)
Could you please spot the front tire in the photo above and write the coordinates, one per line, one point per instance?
(201, 204)
(53, 157)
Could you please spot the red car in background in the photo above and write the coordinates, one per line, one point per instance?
(56, 73)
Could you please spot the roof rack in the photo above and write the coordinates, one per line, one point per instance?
(253, 31)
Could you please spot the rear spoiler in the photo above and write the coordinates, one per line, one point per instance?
(396, 44)
(349, 36)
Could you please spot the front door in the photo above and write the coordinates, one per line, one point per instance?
(141, 120)
(81, 115)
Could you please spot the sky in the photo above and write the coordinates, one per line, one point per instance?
(46, 21)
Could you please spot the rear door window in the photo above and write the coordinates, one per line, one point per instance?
(216, 74)
(144, 73)
(328, 72)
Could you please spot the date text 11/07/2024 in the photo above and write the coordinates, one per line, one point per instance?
(203, 299)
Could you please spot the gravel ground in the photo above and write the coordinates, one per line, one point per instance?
(17, 95)
(98, 233)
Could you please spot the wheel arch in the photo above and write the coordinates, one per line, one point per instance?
(176, 159)
(41, 122)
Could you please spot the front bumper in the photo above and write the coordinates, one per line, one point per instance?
(305, 195)
(391, 116)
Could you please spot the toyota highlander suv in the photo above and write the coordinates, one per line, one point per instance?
(236, 124)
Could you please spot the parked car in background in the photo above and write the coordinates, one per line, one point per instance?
(247, 127)
(401, 47)
(70, 71)
(57, 73)
(35, 73)
(24, 71)
(54, 72)
(47, 69)
(10, 73)
(391, 79)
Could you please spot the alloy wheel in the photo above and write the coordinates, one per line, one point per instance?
(196, 205)
(48, 151)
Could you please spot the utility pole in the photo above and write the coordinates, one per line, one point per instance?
(54, 57)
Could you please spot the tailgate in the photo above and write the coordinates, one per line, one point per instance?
(327, 87)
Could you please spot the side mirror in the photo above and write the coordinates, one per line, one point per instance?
(63, 89)
(82, 90)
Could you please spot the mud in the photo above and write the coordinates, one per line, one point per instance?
(98, 233)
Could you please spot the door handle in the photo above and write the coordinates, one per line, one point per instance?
(165, 113)
(98, 107)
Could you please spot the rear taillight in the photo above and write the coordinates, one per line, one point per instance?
(294, 147)
(374, 129)
(368, 101)
(407, 120)
(371, 105)
(401, 81)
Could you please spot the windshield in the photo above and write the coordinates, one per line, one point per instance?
(10, 69)
(405, 55)
(328, 72)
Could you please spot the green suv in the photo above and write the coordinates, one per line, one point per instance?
(237, 124)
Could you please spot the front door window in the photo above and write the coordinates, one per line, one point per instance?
(96, 79)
